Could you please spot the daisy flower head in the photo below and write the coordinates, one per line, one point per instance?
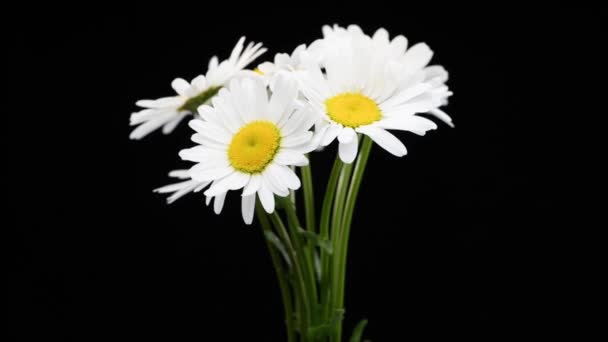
(248, 140)
(168, 112)
(369, 85)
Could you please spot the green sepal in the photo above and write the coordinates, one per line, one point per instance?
(358, 331)
(274, 240)
(193, 103)
(317, 240)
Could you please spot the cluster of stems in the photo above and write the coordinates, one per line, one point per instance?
(310, 259)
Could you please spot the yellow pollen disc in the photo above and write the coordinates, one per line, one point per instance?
(258, 71)
(254, 146)
(352, 109)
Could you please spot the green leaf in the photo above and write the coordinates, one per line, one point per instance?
(274, 240)
(326, 328)
(358, 331)
(316, 240)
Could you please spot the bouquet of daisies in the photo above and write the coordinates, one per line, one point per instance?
(254, 129)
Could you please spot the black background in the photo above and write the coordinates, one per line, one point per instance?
(439, 235)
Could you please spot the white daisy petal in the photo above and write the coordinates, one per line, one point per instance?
(208, 142)
(218, 204)
(441, 115)
(285, 92)
(170, 126)
(259, 95)
(330, 134)
(200, 82)
(164, 102)
(203, 174)
(180, 86)
(208, 113)
(410, 123)
(347, 135)
(236, 51)
(248, 208)
(290, 157)
(180, 174)
(418, 56)
(233, 181)
(406, 95)
(267, 199)
(274, 184)
(420, 104)
(213, 63)
(286, 176)
(142, 116)
(399, 45)
(385, 140)
(145, 129)
(213, 131)
(201, 186)
(292, 125)
(178, 190)
(298, 139)
(348, 151)
(174, 187)
(230, 117)
(255, 182)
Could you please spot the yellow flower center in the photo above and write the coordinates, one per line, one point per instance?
(258, 71)
(254, 146)
(352, 109)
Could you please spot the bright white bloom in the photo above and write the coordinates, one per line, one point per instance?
(185, 186)
(169, 111)
(248, 140)
(370, 85)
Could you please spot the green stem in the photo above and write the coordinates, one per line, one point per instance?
(309, 208)
(304, 314)
(309, 198)
(347, 221)
(337, 238)
(301, 250)
(330, 192)
(281, 274)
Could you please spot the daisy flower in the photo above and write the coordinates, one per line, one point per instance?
(369, 85)
(248, 140)
(168, 112)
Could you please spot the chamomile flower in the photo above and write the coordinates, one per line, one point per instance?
(168, 112)
(248, 140)
(369, 85)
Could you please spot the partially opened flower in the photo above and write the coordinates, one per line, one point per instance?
(369, 85)
(249, 141)
(168, 112)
